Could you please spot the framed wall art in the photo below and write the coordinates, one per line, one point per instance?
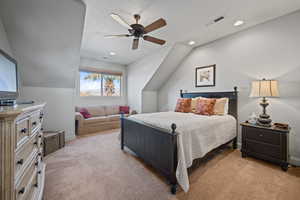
(205, 76)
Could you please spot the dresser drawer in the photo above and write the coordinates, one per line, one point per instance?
(264, 149)
(23, 154)
(35, 121)
(26, 184)
(22, 130)
(36, 183)
(262, 135)
(40, 139)
(33, 187)
(39, 183)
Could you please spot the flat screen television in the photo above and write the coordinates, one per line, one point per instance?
(8, 77)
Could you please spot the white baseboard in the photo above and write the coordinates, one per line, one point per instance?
(294, 161)
(239, 145)
(70, 137)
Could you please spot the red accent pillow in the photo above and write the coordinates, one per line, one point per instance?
(85, 113)
(205, 106)
(183, 105)
(124, 109)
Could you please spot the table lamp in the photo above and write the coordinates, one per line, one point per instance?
(264, 88)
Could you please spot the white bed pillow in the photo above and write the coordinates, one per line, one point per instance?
(221, 106)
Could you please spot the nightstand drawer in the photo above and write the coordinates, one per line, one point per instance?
(265, 149)
(262, 135)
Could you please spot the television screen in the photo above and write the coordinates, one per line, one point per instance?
(8, 75)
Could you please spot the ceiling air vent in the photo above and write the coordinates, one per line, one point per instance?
(217, 20)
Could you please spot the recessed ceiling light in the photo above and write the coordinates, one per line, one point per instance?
(112, 53)
(238, 23)
(192, 42)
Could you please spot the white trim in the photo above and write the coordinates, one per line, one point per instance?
(70, 137)
(294, 161)
(239, 145)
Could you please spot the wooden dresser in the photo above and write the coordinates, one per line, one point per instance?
(267, 143)
(22, 171)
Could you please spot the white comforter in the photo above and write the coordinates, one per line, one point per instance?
(197, 135)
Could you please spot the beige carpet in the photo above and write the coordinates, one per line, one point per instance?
(94, 168)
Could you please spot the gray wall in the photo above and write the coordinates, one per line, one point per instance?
(45, 37)
(139, 74)
(269, 50)
(59, 112)
(147, 75)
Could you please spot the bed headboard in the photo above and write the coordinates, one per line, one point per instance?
(232, 96)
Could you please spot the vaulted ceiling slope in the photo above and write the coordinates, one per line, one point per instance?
(168, 66)
(45, 36)
(4, 44)
(186, 20)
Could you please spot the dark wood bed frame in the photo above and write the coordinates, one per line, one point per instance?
(158, 147)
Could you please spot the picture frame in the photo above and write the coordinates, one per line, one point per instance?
(205, 76)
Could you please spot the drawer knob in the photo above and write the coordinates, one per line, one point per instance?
(36, 185)
(20, 162)
(22, 190)
(36, 163)
(23, 130)
(39, 154)
(35, 143)
(34, 123)
(39, 172)
(40, 136)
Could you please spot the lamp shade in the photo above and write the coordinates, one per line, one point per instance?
(264, 88)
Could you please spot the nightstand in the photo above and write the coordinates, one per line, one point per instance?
(267, 143)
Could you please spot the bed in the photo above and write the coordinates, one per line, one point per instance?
(170, 141)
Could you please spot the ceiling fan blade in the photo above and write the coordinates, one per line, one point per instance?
(155, 25)
(135, 43)
(116, 36)
(120, 20)
(154, 40)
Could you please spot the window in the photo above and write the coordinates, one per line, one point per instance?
(93, 83)
(111, 85)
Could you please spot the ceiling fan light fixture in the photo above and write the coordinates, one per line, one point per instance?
(238, 23)
(192, 42)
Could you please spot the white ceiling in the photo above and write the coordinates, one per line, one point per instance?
(187, 20)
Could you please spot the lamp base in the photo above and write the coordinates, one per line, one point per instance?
(266, 122)
(264, 118)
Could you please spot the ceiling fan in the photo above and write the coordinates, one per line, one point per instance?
(139, 31)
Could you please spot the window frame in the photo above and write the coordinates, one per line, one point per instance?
(101, 72)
